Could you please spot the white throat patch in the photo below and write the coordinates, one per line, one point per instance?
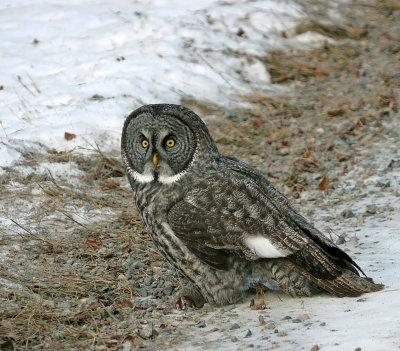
(262, 247)
(171, 179)
(141, 178)
(147, 178)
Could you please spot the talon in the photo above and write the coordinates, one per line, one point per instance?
(184, 304)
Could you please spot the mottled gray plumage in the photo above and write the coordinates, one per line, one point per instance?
(220, 222)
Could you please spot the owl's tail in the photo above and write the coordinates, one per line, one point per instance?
(332, 270)
(297, 281)
(347, 284)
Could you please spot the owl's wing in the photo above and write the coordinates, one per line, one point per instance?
(237, 213)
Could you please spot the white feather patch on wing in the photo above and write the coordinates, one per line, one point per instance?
(262, 247)
(141, 178)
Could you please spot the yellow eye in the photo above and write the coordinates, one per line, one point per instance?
(170, 143)
(145, 143)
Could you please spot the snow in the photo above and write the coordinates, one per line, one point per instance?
(82, 66)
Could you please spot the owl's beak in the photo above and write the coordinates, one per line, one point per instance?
(155, 159)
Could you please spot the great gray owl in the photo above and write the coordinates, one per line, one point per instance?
(220, 222)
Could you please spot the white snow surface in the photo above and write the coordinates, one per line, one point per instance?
(57, 56)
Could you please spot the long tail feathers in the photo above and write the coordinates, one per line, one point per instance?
(347, 284)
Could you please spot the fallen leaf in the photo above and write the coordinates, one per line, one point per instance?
(95, 305)
(93, 243)
(324, 185)
(304, 68)
(110, 184)
(261, 320)
(240, 32)
(126, 303)
(134, 341)
(258, 122)
(69, 136)
(156, 264)
(354, 71)
(320, 74)
(343, 156)
(336, 112)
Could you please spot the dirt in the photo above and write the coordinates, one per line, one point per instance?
(78, 271)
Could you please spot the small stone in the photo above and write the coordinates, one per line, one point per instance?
(207, 308)
(64, 305)
(270, 325)
(296, 320)
(303, 317)
(340, 240)
(323, 324)
(315, 348)
(286, 318)
(167, 291)
(248, 333)
(229, 308)
(49, 303)
(121, 277)
(357, 349)
(234, 339)
(371, 209)
(148, 281)
(143, 292)
(138, 265)
(202, 324)
(383, 185)
(281, 334)
(234, 326)
(146, 332)
(348, 214)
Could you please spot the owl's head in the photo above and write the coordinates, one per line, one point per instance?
(161, 142)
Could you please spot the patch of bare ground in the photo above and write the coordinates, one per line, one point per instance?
(78, 271)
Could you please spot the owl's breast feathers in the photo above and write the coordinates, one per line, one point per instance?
(236, 212)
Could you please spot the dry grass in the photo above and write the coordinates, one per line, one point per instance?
(53, 303)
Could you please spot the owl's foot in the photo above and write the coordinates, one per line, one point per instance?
(183, 303)
(189, 297)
